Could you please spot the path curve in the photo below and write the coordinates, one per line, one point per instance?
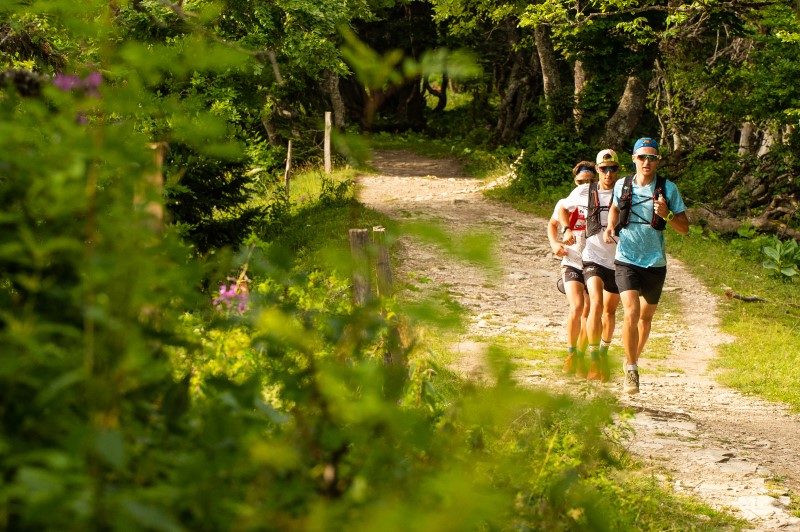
(732, 451)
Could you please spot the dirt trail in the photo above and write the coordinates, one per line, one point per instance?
(732, 451)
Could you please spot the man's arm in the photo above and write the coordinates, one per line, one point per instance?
(613, 219)
(552, 236)
(563, 218)
(680, 223)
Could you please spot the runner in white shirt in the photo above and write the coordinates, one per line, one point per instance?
(572, 272)
(598, 261)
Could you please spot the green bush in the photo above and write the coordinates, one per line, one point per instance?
(703, 176)
(782, 258)
(551, 151)
(749, 243)
(207, 197)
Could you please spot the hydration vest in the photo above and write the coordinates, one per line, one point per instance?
(593, 225)
(625, 205)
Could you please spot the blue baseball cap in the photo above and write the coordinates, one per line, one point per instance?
(645, 142)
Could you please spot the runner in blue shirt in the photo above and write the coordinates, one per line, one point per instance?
(638, 216)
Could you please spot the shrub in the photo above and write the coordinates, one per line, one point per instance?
(783, 258)
(208, 198)
(551, 151)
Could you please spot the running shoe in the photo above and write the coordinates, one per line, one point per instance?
(605, 367)
(570, 365)
(594, 373)
(575, 364)
(581, 367)
(631, 381)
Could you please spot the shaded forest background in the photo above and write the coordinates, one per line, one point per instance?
(715, 81)
(178, 344)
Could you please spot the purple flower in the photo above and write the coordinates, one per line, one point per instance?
(90, 84)
(242, 306)
(66, 82)
(231, 297)
(93, 80)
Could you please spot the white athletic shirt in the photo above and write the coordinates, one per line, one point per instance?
(573, 256)
(595, 250)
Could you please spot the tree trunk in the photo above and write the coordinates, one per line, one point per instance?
(580, 84)
(508, 94)
(722, 223)
(411, 105)
(337, 103)
(551, 78)
(625, 119)
(276, 69)
(788, 131)
(442, 103)
(744, 138)
(767, 140)
(522, 91)
(513, 128)
(359, 245)
(672, 127)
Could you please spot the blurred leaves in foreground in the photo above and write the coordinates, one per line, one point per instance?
(130, 401)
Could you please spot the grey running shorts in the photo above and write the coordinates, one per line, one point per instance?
(570, 273)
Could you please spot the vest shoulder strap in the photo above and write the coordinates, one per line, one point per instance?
(661, 186)
(593, 225)
(657, 222)
(624, 203)
(627, 185)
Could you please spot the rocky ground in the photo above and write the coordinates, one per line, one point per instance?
(732, 451)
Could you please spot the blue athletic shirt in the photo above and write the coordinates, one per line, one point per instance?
(639, 244)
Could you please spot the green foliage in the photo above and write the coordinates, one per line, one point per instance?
(467, 124)
(783, 258)
(207, 198)
(273, 216)
(31, 42)
(704, 174)
(769, 96)
(749, 243)
(333, 193)
(551, 151)
(602, 30)
(396, 74)
(373, 69)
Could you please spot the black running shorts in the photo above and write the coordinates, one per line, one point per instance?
(570, 273)
(591, 269)
(647, 281)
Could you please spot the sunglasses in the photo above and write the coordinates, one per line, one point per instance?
(608, 169)
(647, 157)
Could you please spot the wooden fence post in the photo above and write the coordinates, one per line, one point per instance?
(394, 354)
(288, 171)
(359, 244)
(153, 186)
(327, 142)
(383, 266)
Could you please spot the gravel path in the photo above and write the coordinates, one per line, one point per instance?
(733, 451)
